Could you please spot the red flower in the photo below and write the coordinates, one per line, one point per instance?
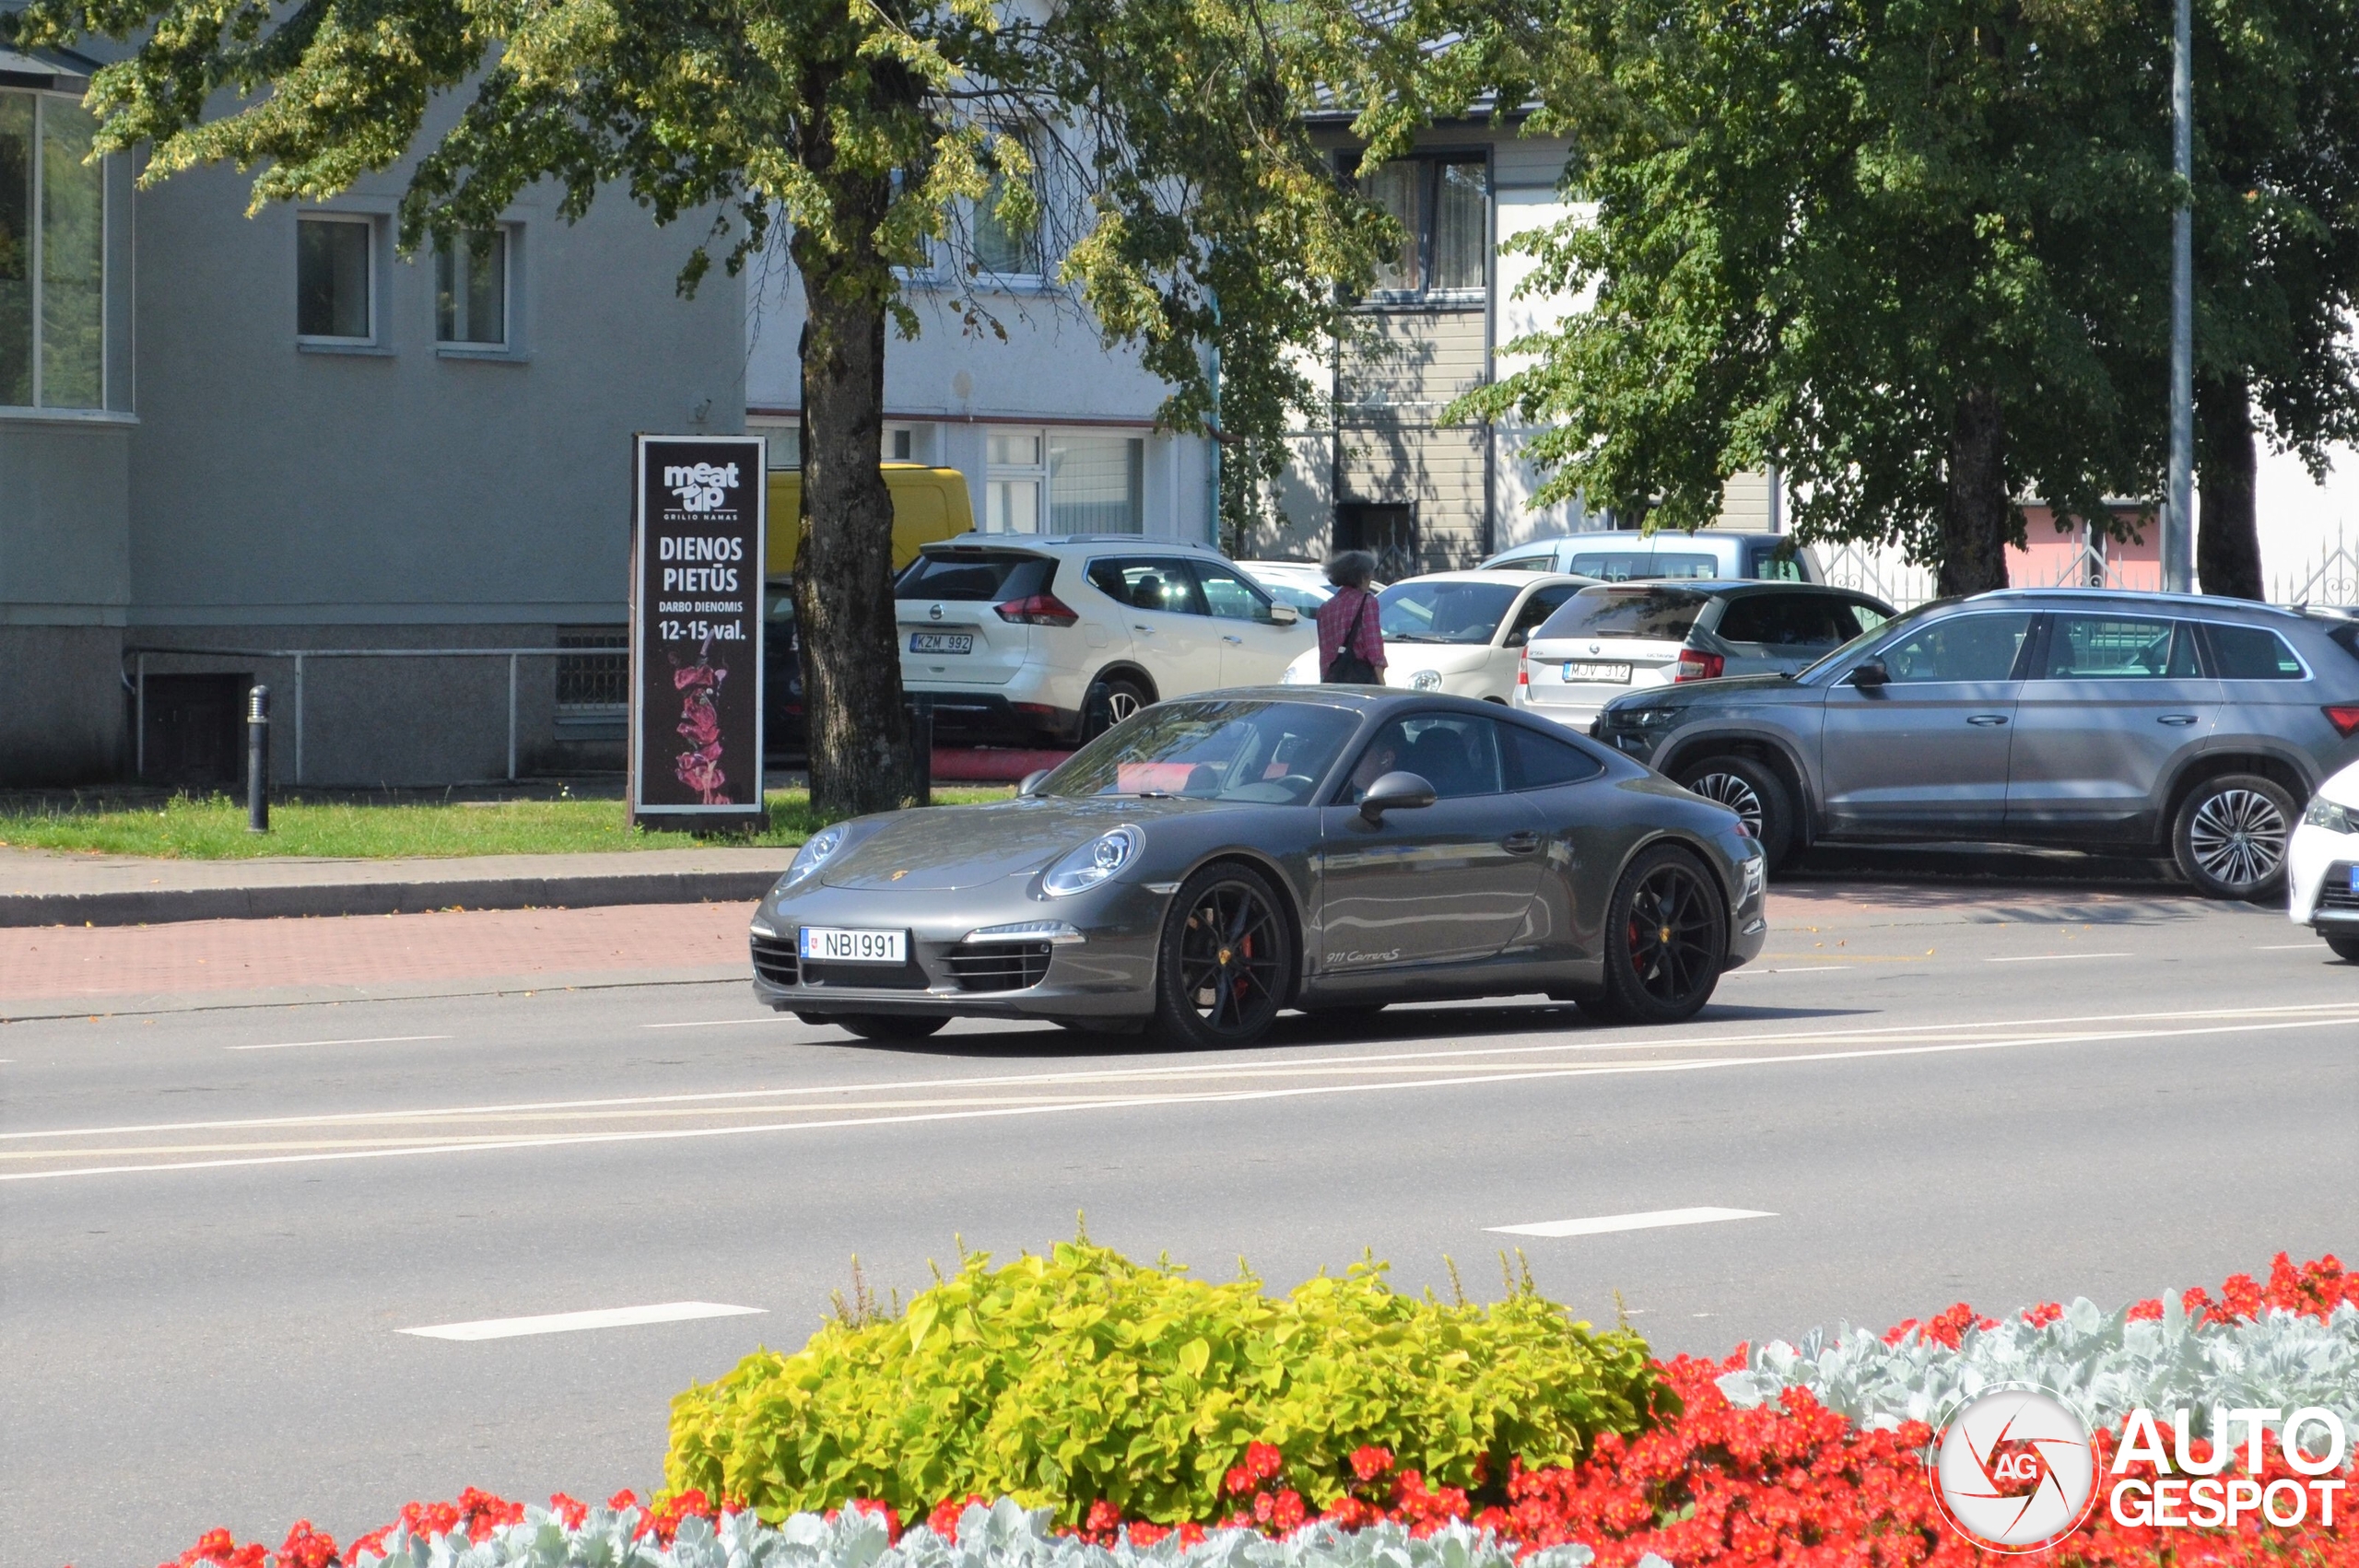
(624, 1499)
(1263, 1459)
(1369, 1461)
(569, 1512)
(1238, 1481)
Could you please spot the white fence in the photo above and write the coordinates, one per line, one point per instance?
(1871, 569)
(1890, 576)
(2334, 580)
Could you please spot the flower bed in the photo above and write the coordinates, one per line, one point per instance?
(1806, 1454)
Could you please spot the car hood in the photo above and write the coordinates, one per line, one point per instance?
(1443, 657)
(1739, 688)
(2343, 788)
(941, 849)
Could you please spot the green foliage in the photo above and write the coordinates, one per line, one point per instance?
(1079, 1376)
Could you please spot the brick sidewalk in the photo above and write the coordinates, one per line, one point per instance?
(55, 962)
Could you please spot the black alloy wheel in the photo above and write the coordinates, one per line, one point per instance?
(888, 1025)
(1226, 963)
(2231, 835)
(1752, 790)
(1666, 939)
(1114, 699)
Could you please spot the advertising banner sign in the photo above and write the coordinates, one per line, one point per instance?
(696, 630)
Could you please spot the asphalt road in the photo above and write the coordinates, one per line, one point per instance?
(215, 1223)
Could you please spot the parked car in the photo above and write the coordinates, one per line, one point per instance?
(1616, 637)
(1213, 860)
(1298, 583)
(1052, 638)
(1456, 632)
(2322, 864)
(1631, 557)
(2066, 716)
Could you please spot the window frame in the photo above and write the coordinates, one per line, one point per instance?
(1260, 595)
(2215, 665)
(1431, 160)
(1041, 276)
(505, 345)
(36, 262)
(368, 224)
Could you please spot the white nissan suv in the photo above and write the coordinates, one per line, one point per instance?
(1049, 639)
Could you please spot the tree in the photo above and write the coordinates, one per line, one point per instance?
(866, 131)
(1865, 240)
(2277, 257)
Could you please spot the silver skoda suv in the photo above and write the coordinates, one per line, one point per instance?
(2086, 718)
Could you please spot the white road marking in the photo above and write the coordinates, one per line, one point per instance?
(571, 1322)
(2290, 946)
(1804, 969)
(2343, 1020)
(709, 1023)
(1604, 1224)
(2049, 957)
(1266, 1067)
(365, 1040)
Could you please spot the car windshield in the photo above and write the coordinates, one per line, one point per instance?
(1620, 566)
(1663, 615)
(1905, 617)
(1304, 592)
(1444, 612)
(1272, 752)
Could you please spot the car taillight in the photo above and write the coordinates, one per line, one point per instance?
(2344, 716)
(1694, 666)
(1038, 609)
(1523, 669)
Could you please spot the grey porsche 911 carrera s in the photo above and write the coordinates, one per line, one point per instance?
(1213, 860)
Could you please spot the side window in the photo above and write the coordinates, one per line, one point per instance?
(2251, 653)
(1145, 582)
(1756, 617)
(1457, 754)
(1539, 762)
(2102, 647)
(1868, 616)
(1790, 621)
(1542, 603)
(1543, 561)
(1229, 596)
(1960, 648)
(1774, 563)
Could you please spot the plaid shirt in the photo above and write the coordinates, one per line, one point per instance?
(1336, 618)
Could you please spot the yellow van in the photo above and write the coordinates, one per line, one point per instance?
(928, 504)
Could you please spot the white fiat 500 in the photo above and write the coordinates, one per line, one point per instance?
(2322, 864)
(1457, 632)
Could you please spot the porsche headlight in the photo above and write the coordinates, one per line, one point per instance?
(1094, 861)
(816, 851)
(2332, 815)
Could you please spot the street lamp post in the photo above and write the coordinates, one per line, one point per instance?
(2179, 513)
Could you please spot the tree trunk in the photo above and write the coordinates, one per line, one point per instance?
(2227, 546)
(1976, 511)
(859, 734)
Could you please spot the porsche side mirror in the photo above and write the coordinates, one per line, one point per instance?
(1032, 781)
(1394, 792)
(1871, 675)
(1284, 615)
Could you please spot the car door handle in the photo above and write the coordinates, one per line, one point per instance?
(2175, 718)
(1136, 628)
(1986, 719)
(1237, 640)
(1520, 843)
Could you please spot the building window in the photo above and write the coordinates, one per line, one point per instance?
(899, 443)
(1008, 244)
(470, 290)
(783, 438)
(1443, 206)
(53, 255)
(1095, 483)
(1016, 474)
(595, 681)
(334, 291)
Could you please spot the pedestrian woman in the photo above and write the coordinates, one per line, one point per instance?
(1351, 641)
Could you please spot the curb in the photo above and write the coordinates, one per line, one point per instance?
(168, 905)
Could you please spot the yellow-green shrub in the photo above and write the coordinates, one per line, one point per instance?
(1079, 1376)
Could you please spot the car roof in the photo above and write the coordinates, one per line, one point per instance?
(2123, 597)
(976, 539)
(1733, 587)
(1476, 574)
(1631, 538)
(1366, 699)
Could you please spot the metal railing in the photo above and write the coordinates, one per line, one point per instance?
(138, 654)
(1885, 573)
(2335, 580)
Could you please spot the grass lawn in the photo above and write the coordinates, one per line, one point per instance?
(215, 828)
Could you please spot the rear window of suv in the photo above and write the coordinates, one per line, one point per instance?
(1664, 615)
(2251, 653)
(975, 576)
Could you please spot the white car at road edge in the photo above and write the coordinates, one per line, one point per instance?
(2322, 864)
(1457, 632)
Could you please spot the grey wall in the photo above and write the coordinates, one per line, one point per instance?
(64, 586)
